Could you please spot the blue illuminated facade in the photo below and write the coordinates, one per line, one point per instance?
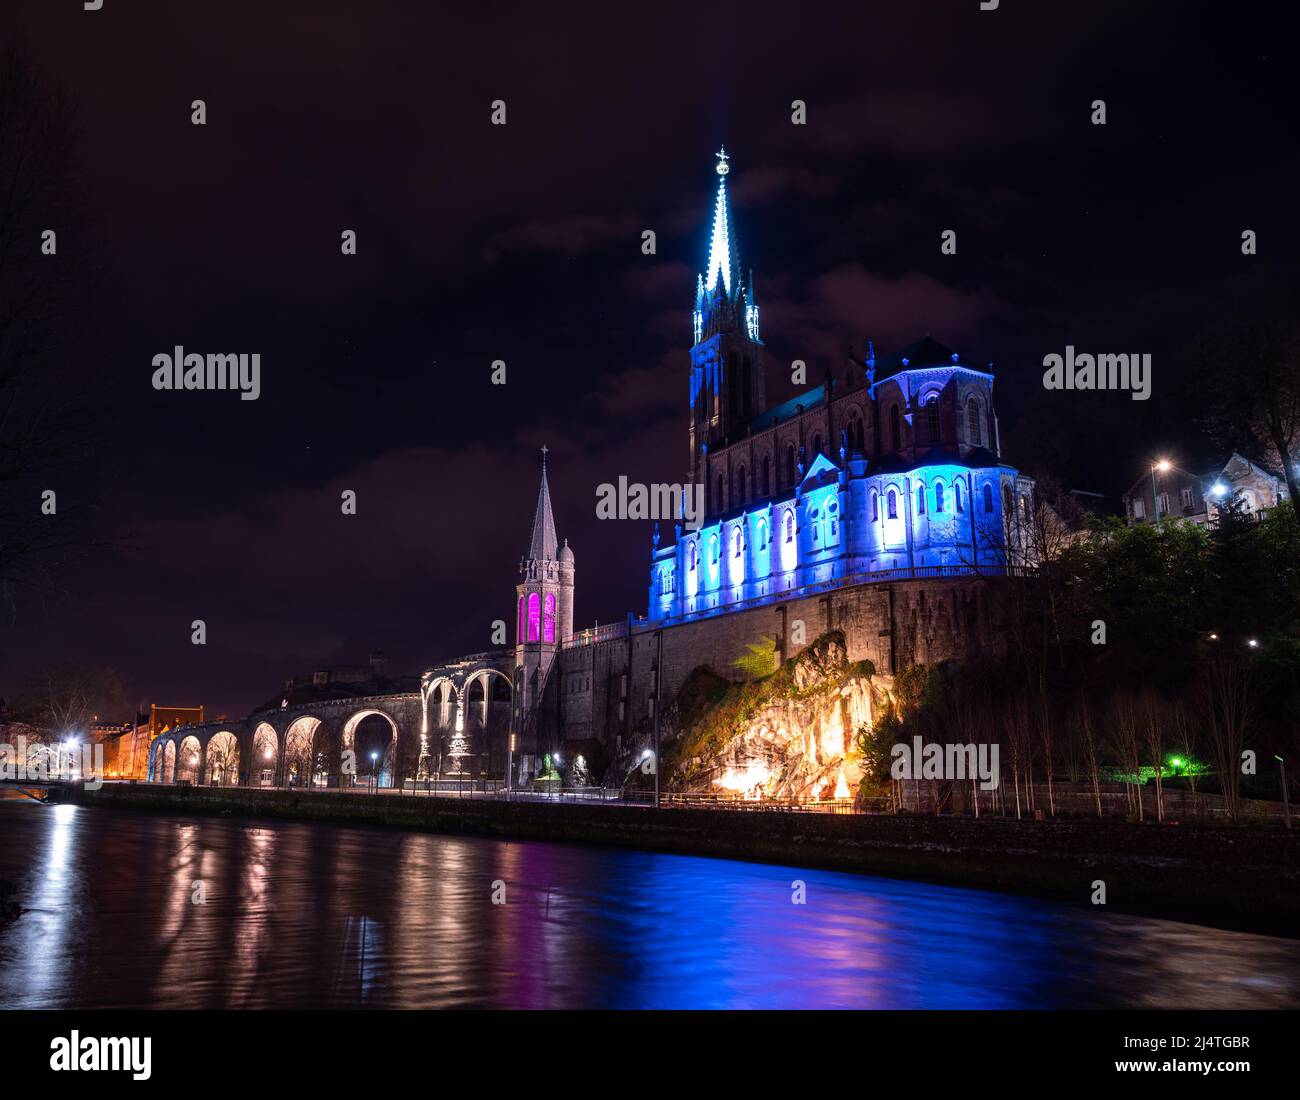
(891, 470)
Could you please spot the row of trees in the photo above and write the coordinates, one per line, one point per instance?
(1124, 648)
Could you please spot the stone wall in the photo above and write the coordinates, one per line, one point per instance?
(892, 625)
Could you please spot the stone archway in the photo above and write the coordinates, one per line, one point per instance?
(169, 762)
(372, 735)
(264, 766)
(188, 755)
(221, 762)
(301, 766)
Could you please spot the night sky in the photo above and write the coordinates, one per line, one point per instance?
(522, 243)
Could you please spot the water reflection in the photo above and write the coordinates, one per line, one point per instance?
(156, 911)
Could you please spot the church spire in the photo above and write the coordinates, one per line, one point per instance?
(544, 542)
(722, 250)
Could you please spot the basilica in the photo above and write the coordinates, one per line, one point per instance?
(890, 474)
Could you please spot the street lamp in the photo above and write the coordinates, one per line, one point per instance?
(1286, 802)
(1163, 465)
(374, 756)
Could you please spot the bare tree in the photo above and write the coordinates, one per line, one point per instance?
(1128, 738)
(1091, 746)
(1153, 729)
(1232, 691)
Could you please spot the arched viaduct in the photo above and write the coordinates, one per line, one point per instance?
(456, 724)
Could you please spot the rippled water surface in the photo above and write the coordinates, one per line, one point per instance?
(333, 916)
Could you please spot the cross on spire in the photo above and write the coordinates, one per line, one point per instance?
(721, 154)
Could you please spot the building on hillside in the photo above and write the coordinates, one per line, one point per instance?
(1170, 492)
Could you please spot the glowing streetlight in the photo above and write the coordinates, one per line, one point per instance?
(1164, 466)
(1253, 643)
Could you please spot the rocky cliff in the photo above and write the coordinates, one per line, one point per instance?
(787, 735)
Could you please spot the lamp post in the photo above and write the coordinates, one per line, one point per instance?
(1286, 802)
(1163, 466)
(374, 778)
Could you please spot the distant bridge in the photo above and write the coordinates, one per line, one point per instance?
(457, 723)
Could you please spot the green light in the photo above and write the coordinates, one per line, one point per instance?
(1176, 761)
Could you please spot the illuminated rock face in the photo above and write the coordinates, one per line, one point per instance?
(790, 735)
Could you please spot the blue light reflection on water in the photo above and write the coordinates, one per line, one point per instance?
(327, 916)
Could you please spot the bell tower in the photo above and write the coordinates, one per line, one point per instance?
(728, 389)
(544, 614)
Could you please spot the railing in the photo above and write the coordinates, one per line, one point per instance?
(592, 635)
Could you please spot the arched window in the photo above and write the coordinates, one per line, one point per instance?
(715, 549)
(692, 558)
(856, 441)
(895, 428)
(988, 497)
(920, 500)
(875, 506)
(813, 517)
(789, 527)
(534, 617)
(548, 617)
(789, 465)
(956, 496)
(1008, 509)
(817, 445)
(767, 476)
(721, 502)
(1024, 507)
(741, 495)
(973, 423)
(892, 505)
(522, 628)
(833, 520)
(938, 496)
(739, 543)
(762, 534)
(932, 417)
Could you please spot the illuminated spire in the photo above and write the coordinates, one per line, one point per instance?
(544, 541)
(721, 257)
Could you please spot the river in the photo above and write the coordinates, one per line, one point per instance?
(126, 909)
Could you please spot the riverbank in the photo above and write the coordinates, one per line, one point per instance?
(1245, 875)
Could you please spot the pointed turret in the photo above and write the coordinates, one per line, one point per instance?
(544, 543)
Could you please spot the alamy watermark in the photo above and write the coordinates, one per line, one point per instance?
(1082, 371)
(194, 371)
(935, 761)
(632, 500)
(40, 763)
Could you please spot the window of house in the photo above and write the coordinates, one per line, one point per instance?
(1164, 504)
(715, 550)
(956, 496)
(932, 417)
(920, 500)
(875, 506)
(789, 527)
(938, 496)
(832, 519)
(1139, 509)
(738, 543)
(973, 423)
(762, 535)
(988, 497)
(892, 504)
(1187, 497)
(692, 558)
